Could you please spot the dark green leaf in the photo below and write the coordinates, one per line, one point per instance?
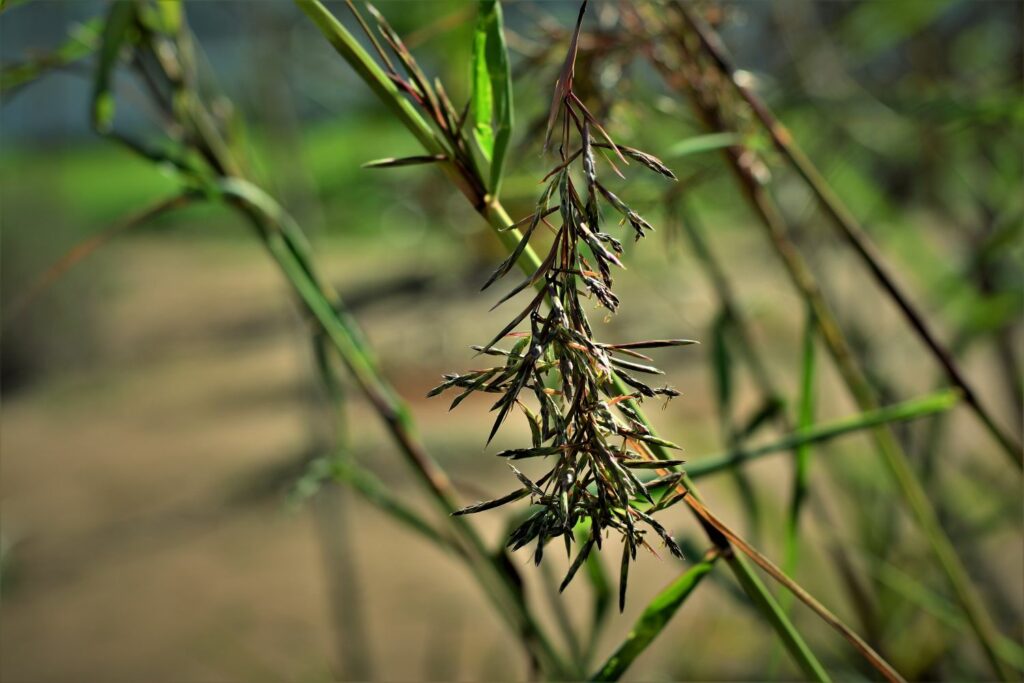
(581, 557)
(623, 574)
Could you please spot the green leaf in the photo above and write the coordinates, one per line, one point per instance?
(802, 453)
(654, 619)
(482, 94)
(115, 32)
(623, 576)
(491, 93)
(392, 162)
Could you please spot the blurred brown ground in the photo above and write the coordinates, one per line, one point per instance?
(142, 496)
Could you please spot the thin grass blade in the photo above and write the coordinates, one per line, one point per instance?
(654, 619)
(913, 409)
(802, 453)
(491, 94)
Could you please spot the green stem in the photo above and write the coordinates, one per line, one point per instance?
(930, 404)
(801, 454)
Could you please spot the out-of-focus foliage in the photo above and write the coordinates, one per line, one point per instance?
(914, 113)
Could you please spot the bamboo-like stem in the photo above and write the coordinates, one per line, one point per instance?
(850, 229)
(857, 384)
(492, 210)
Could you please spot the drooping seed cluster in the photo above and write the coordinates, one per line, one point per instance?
(582, 421)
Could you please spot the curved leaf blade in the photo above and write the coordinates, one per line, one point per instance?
(491, 95)
(654, 619)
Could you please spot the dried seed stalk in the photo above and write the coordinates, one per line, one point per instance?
(583, 425)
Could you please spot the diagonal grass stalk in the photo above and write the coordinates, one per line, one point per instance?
(832, 620)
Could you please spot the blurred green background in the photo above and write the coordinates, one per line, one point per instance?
(159, 400)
